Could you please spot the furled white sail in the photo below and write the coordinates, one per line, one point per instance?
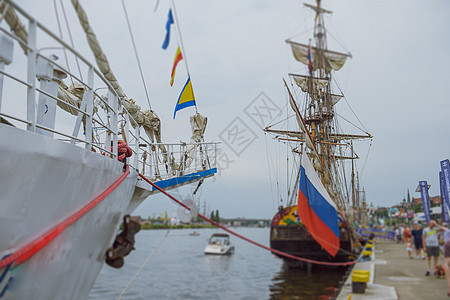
(332, 60)
(333, 137)
(335, 98)
(99, 55)
(14, 23)
(67, 96)
(301, 123)
(198, 126)
(148, 119)
(308, 139)
(305, 82)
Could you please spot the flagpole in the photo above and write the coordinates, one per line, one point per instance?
(180, 40)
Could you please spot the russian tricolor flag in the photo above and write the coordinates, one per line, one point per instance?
(309, 59)
(316, 209)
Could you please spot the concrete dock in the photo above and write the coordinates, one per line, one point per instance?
(395, 276)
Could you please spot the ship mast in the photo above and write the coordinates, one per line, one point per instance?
(319, 34)
(317, 129)
(318, 119)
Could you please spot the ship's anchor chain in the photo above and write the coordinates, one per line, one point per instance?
(123, 244)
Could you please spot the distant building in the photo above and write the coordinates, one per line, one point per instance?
(435, 212)
(435, 200)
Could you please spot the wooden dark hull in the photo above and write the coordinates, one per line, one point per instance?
(296, 240)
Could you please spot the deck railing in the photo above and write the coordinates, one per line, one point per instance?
(47, 87)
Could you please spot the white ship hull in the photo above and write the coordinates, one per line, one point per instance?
(40, 186)
(52, 165)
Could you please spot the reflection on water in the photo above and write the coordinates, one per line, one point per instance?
(217, 263)
(298, 283)
(179, 269)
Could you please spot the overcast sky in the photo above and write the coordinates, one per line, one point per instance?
(395, 83)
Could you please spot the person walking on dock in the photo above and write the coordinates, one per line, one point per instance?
(407, 240)
(431, 244)
(398, 235)
(446, 255)
(417, 239)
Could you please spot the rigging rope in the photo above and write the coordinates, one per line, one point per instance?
(345, 98)
(336, 39)
(279, 113)
(61, 35)
(31, 248)
(71, 41)
(363, 130)
(295, 171)
(180, 38)
(136, 53)
(143, 265)
(281, 121)
(367, 156)
(247, 239)
(268, 167)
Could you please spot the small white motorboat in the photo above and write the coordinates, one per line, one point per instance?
(219, 244)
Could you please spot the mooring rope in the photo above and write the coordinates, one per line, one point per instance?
(247, 239)
(143, 266)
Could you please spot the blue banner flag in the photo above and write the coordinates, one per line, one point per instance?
(168, 24)
(445, 168)
(444, 198)
(425, 199)
(376, 232)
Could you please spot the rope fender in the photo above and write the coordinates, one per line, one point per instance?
(31, 248)
(247, 239)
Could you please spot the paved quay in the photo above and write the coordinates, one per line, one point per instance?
(395, 276)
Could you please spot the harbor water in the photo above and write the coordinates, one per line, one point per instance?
(178, 269)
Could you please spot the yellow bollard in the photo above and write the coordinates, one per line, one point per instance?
(362, 272)
(366, 253)
(359, 281)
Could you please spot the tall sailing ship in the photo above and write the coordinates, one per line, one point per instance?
(317, 220)
(67, 178)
